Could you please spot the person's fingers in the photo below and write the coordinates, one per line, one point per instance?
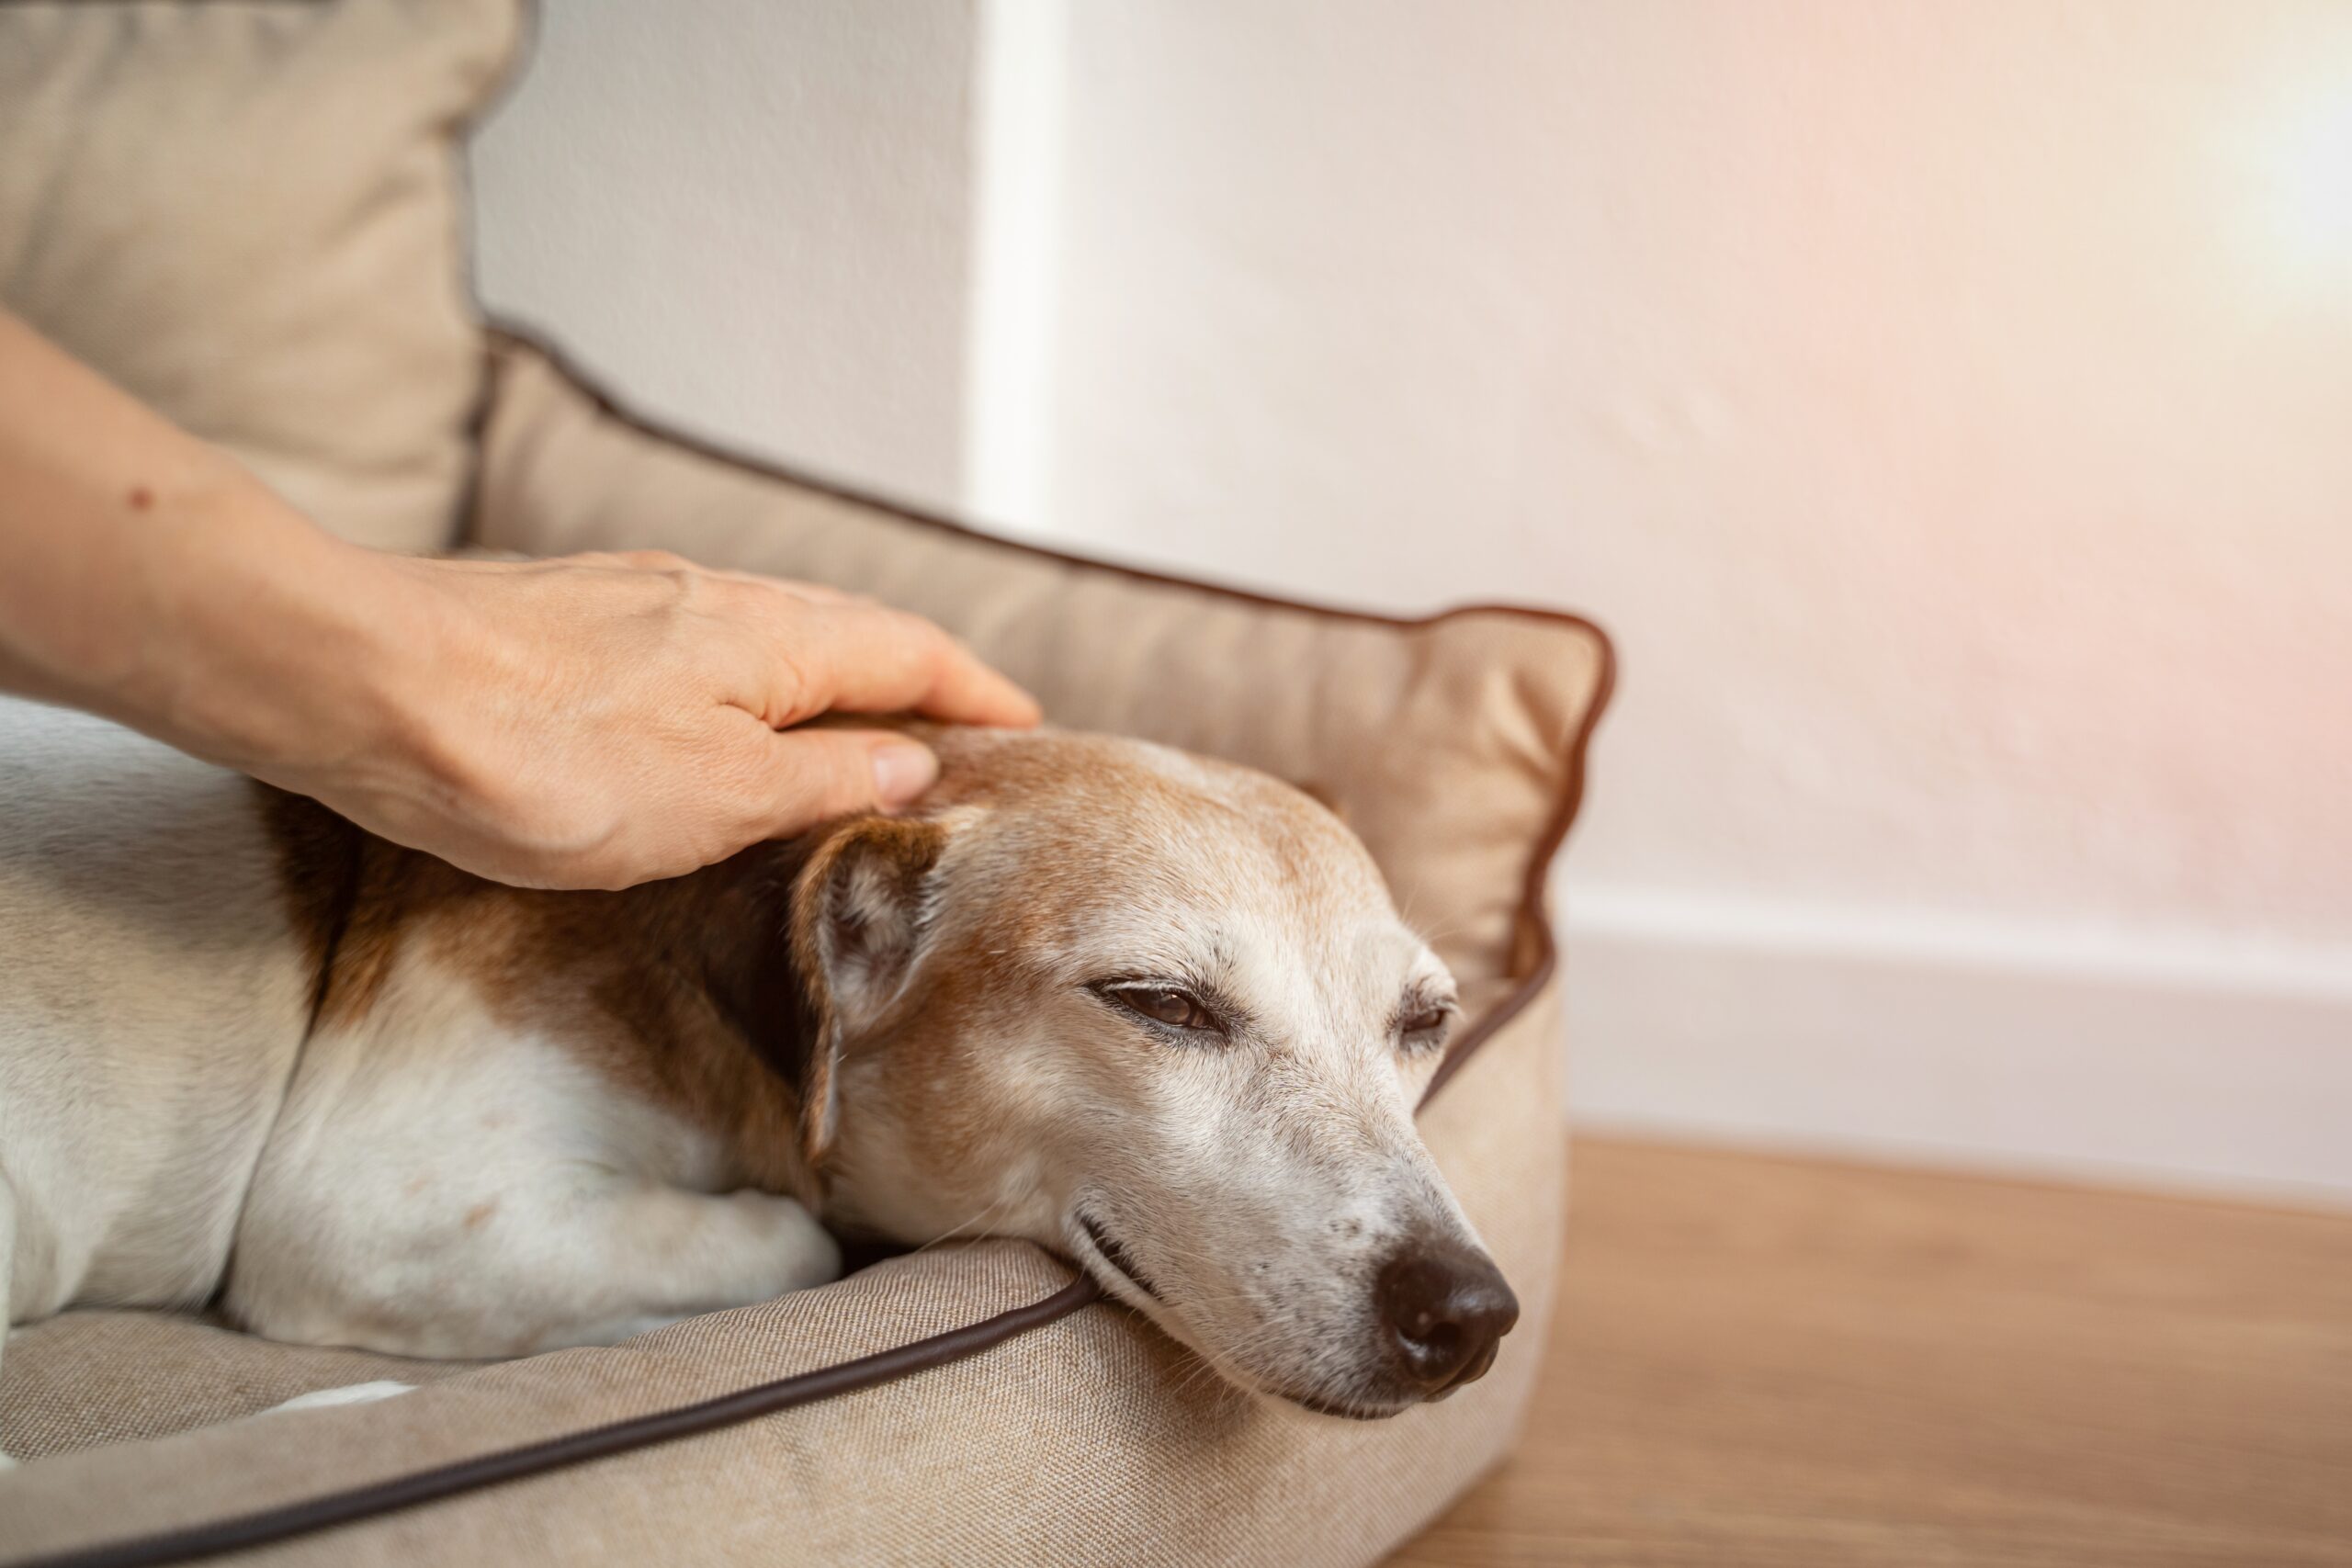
(824, 773)
(970, 692)
(864, 658)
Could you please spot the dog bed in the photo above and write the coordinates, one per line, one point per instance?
(974, 1402)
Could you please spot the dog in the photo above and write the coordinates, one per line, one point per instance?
(1154, 1012)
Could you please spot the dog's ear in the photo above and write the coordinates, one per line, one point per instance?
(1323, 796)
(861, 911)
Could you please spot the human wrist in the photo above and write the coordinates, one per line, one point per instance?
(261, 641)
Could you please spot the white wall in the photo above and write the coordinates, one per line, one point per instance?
(754, 215)
(1927, 399)
(1974, 510)
(1950, 408)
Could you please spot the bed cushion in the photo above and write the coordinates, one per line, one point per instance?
(1090, 1440)
(248, 215)
(1038, 1425)
(1442, 741)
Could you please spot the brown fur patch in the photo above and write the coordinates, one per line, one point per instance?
(318, 869)
(625, 980)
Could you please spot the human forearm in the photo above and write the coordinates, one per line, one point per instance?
(591, 721)
(135, 558)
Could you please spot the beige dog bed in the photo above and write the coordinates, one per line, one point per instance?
(166, 215)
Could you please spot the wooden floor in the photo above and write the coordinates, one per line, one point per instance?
(1767, 1363)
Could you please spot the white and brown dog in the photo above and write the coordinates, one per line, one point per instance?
(1155, 1013)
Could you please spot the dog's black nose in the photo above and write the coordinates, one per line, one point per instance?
(1444, 1307)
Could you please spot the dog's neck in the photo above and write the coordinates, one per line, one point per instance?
(687, 992)
(731, 924)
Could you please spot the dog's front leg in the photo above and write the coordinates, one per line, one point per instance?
(635, 1254)
(582, 1257)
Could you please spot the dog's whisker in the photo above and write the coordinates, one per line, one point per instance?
(1006, 1202)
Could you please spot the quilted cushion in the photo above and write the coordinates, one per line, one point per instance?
(249, 215)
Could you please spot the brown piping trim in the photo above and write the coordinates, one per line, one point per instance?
(291, 1519)
(1533, 910)
(337, 1509)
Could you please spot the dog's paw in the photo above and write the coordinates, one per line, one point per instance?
(809, 1255)
(794, 1250)
(351, 1393)
(6, 1465)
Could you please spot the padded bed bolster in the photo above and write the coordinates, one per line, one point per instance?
(1449, 743)
(1025, 1421)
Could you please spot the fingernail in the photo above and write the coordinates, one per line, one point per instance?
(902, 770)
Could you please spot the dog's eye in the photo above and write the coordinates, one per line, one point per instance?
(1425, 1025)
(1164, 1004)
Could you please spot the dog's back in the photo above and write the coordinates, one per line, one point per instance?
(152, 999)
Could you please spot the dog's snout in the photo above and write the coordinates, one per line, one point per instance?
(1444, 1307)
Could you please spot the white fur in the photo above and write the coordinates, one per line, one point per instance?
(1261, 1180)
(157, 1142)
(591, 1217)
(152, 1005)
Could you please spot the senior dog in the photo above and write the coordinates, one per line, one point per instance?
(1154, 1012)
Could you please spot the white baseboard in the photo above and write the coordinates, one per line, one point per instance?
(2175, 1061)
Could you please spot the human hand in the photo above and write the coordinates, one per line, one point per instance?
(590, 722)
(596, 721)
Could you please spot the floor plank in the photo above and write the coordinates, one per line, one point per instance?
(1771, 1362)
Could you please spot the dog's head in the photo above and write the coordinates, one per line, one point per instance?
(1160, 1015)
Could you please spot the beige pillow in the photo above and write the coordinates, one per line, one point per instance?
(249, 215)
